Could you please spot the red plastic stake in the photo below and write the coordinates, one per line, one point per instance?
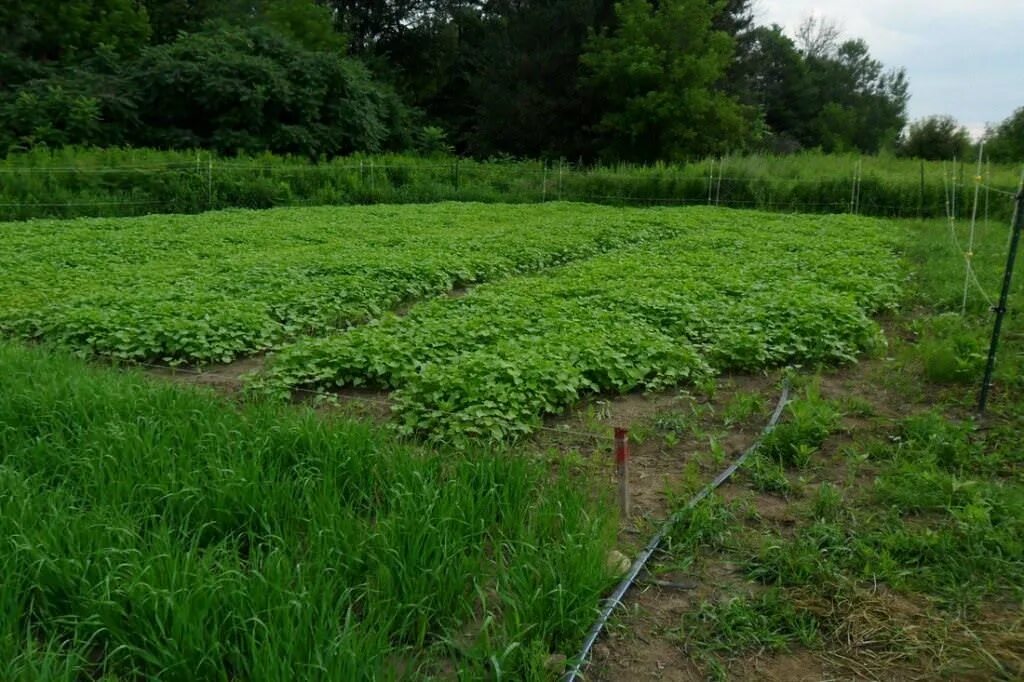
(622, 468)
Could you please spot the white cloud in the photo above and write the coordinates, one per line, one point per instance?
(964, 58)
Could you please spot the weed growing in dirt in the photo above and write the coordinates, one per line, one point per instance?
(707, 525)
(768, 475)
(809, 421)
(729, 628)
(742, 406)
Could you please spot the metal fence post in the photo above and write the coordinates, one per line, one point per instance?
(1018, 224)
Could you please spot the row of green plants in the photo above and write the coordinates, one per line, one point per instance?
(151, 531)
(732, 291)
(119, 182)
(197, 289)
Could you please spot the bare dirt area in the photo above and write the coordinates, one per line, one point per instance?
(227, 378)
(670, 432)
(644, 640)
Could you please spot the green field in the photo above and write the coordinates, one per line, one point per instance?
(178, 288)
(160, 531)
(728, 292)
(656, 297)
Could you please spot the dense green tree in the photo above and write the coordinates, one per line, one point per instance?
(252, 89)
(89, 103)
(67, 31)
(657, 74)
(1005, 141)
(226, 89)
(775, 78)
(863, 105)
(306, 22)
(735, 17)
(639, 80)
(168, 18)
(935, 138)
(528, 95)
(373, 24)
(820, 92)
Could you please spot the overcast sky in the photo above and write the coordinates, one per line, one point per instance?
(963, 57)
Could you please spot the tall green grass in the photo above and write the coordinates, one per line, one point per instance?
(154, 532)
(84, 182)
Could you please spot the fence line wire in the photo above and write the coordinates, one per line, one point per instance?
(974, 223)
(754, 185)
(970, 276)
(569, 197)
(84, 203)
(569, 171)
(999, 191)
(32, 170)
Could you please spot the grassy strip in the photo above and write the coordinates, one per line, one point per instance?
(900, 552)
(151, 531)
(735, 290)
(209, 288)
(117, 182)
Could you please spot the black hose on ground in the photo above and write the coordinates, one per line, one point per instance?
(652, 546)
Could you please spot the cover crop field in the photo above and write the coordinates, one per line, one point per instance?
(733, 291)
(150, 530)
(177, 288)
(644, 298)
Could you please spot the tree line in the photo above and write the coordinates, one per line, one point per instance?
(595, 80)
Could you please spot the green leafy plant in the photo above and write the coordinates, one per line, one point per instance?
(810, 420)
(666, 310)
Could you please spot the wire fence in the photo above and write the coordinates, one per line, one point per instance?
(209, 184)
(968, 253)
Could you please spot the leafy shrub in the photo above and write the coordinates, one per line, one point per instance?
(231, 90)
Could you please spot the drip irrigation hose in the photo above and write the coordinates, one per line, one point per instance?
(652, 546)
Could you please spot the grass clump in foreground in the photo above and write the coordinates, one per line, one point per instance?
(150, 531)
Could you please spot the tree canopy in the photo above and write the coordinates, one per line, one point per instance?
(638, 80)
(656, 75)
(1005, 141)
(936, 138)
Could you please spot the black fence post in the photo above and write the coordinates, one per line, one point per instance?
(1011, 258)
